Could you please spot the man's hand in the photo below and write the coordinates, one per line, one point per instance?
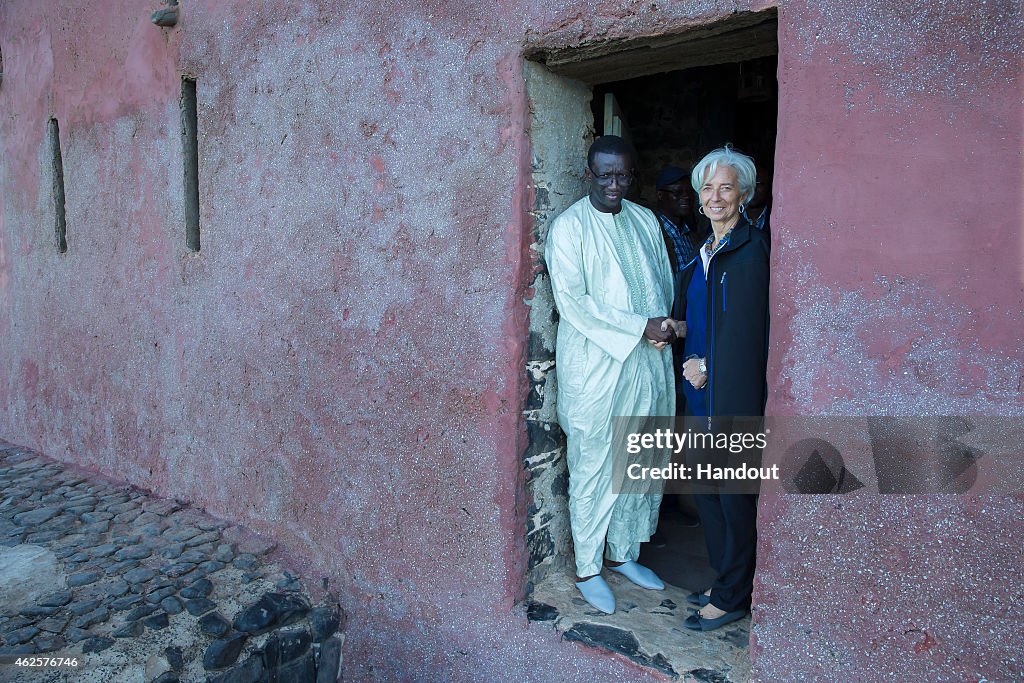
(692, 373)
(658, 334)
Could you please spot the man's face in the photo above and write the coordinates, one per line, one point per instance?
(674, 201)
(762, 191)
(610, 175)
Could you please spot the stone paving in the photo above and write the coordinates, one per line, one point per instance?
(138, 588)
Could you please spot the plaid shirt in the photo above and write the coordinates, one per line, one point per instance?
(682, 241)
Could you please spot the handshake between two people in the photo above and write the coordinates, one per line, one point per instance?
(660, 332)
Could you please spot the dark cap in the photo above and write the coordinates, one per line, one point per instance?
(668, 176)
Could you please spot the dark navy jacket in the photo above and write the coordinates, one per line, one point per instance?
(737, 330)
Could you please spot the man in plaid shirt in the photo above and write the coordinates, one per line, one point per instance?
(675, 215)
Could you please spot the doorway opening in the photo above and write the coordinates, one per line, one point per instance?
(675, 97)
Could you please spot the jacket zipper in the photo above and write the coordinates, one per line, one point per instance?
(725, 298)
(711, 343)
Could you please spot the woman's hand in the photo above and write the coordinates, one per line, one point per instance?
(678, 326)
(692, 373)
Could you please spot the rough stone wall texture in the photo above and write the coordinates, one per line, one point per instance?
(561, 129)
(342, 366)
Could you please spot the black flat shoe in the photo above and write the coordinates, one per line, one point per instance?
(698, 599)
(696, 622)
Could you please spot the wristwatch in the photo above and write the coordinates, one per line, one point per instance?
(703, 366)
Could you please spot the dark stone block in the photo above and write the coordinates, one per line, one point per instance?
(560, 484)
(172, 551)
(167, 677)
(97, 644)
(270, 611)
(172, 605)
(617, 640)
(325, 622)
(160, 595)
(54, 624)
(50, 643)
(92, 618)
(83, 579)
(245, 561)
(127, 602)
(209, 567)
(56, 599)
(540, 546)
(75, 635)
(224, 652)
(202, 539)
(14, 622)
(134, 552)
(538, 611)
(302, 670)
(140, 575)
(199, 606)
(39, 611)
(104, 550)
(151, 529)
(214, 624)
(177, 569)
(329, 666)
(117, 589)
(284, 646)
(251, 670)
(536, 350)
(225, 553)
(542, 440)
(199, 589)
(80, 608)
(175, 657)
(708, 676)
(130, 630)
(15, 650)
(39, 537)
(157, 621)
(34, 517)
(193, 556)
(180, 534)
(21, 635)
(140, 612)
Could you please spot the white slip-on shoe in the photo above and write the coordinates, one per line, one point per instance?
(640, 575)
(598, 594)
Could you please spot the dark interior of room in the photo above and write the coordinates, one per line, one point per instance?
(675, 118)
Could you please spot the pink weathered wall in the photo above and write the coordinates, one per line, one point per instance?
(341, 366)
(898, 289)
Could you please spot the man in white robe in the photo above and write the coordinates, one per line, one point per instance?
(613, 288)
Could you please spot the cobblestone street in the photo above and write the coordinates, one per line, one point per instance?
(141, 589)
